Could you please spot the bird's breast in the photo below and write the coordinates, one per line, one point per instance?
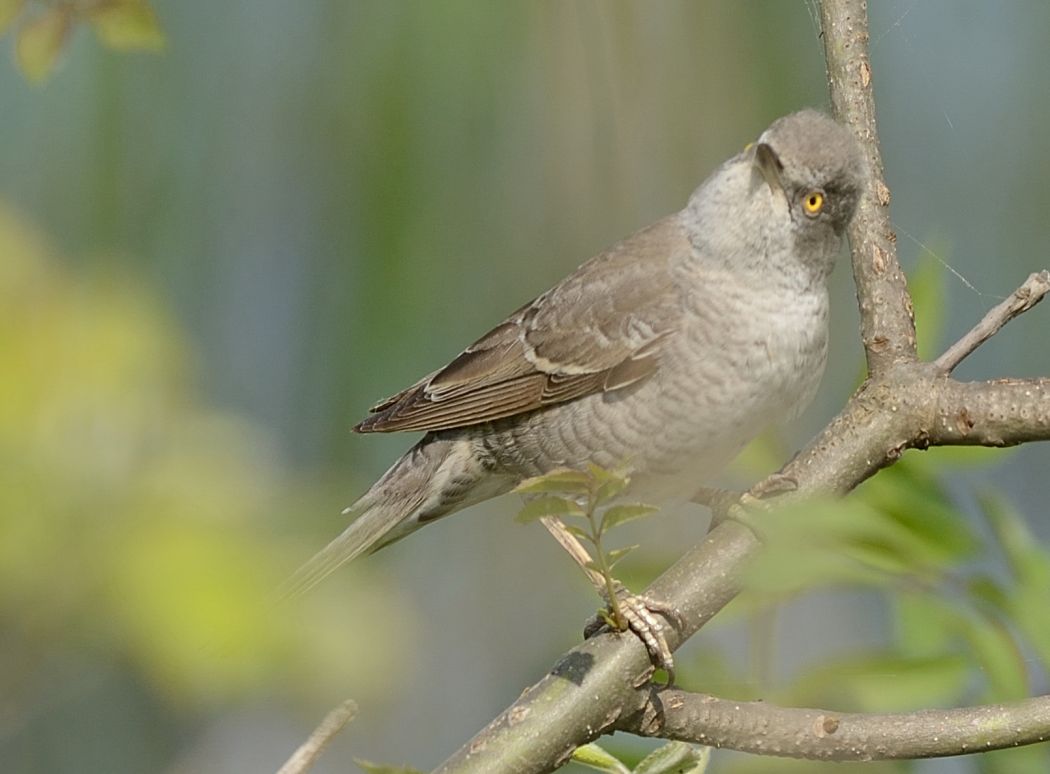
(746, 360)
(758, 353)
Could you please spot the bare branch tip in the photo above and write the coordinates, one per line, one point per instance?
(1030, 293)
(306, 756)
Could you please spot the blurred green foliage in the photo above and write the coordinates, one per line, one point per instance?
(333, 198)
(959, 635)
(44, 28)
(140, 528)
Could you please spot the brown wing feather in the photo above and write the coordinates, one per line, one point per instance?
(600, 329)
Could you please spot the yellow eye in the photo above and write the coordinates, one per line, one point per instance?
(813, 203)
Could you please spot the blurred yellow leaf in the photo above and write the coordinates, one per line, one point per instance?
(40, 43)
(127, 25)
(133, 515)
(9, 9)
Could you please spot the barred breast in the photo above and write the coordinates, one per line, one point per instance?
(743, 360)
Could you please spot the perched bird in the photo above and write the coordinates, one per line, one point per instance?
(669, 351)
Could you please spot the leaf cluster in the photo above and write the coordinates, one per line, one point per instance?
(591, 495)
(43, 29)
(962, 631)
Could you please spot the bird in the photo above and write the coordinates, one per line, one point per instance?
(669, 350)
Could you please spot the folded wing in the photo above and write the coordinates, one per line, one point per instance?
(601, 329)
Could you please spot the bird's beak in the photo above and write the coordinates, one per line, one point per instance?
(769, 166)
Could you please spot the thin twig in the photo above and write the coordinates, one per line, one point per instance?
(575, 549)
(1021, 300)
(310, 750)
(816, 734)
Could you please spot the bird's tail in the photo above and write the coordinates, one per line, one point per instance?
(434, 478)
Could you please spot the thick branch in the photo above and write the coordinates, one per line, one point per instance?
(1021, 300)
(595, 683)
(887, 321)
(761, 728)
(1003, 412)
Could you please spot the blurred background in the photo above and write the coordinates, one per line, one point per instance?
(216, 256)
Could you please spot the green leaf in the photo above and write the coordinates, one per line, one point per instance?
(924, 624)
(9, 9)
(619, 553)
(594, 757)
(1029, 562)
(609, 489)
(579, 532)
(40, 43)
(1027, 559)
(127, 25)
(548, 505)
(621, 514)
(1001, 661)
(675, 758)
(931, 625)
(985, 589)
(914, 498)
(382, 768)
(821, 542)
(602, 475)
(564, 480)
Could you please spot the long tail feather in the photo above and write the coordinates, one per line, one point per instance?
(364, 534)
(431, 479)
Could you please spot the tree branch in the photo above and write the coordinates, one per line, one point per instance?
(602, 684)
(1021, 300)
(887, 320)
(310, 750)
(765, 729)
(597, 682)
(1003, 412)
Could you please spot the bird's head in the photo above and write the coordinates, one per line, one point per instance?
(815, 167)
(783, 203)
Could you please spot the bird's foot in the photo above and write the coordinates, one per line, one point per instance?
(726, 504)
(773, 485)
(641, 615)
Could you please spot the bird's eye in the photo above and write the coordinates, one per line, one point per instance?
(813, 203)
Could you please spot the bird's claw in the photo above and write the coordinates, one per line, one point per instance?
(727, 505)
(641, 615)
(773, 485)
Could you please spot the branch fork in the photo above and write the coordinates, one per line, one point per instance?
(601, 686)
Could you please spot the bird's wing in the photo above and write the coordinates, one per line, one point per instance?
(600, 329)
